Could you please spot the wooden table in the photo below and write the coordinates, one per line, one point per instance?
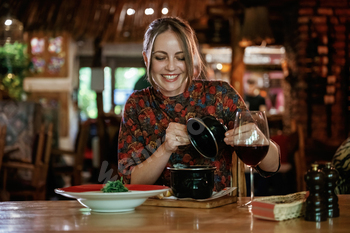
(45, 216)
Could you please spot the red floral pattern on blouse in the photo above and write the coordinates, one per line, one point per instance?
(147, 114)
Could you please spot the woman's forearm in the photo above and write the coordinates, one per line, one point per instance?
(149, 170)
(271, 162)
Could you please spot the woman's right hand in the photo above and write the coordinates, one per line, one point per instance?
(176, 135)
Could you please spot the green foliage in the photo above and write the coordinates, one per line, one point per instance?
(14, 64)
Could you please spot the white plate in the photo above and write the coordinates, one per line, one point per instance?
(91, 197)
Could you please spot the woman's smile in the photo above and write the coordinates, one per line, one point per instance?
(170, 77)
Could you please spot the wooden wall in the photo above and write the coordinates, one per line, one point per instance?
(318, 58)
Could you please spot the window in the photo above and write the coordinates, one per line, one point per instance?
(49, 54)
(125, 80)
(87, 97)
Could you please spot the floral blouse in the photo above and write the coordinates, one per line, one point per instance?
(147, 114)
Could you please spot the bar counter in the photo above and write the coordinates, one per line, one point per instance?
(47, 216)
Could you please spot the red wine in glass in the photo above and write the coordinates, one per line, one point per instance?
(251, 155)
(251, 141)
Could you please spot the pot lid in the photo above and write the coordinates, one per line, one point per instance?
(192, 168)
(206, 135)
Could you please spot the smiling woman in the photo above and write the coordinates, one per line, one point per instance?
(153, 126)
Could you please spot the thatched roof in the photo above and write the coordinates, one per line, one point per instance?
(107, 21)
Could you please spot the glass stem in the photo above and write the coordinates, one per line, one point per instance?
(251, 183)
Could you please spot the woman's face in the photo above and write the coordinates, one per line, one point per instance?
(168, 67)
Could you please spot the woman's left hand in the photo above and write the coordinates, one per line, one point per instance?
(249, 132)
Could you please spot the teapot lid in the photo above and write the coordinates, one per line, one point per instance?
(203, 135)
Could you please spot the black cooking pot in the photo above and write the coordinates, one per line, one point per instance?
(207, 135)
(194, 181)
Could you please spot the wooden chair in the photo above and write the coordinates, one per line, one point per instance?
(75, 170)
(299, 156)
(108, 125)
(4, 195)
(37, 186)
(2, 142)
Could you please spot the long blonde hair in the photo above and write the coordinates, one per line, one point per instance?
(194, 63)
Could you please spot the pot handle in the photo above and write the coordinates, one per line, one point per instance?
(195, 182)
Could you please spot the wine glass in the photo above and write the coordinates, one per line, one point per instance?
(251, 141)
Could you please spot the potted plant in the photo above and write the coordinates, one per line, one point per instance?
(14, 64)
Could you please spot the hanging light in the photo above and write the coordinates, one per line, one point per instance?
(165, 9)
(11, 30)
(256, 28)
(130, 11)
(149, 11)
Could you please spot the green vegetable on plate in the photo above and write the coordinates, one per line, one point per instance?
(114, 186)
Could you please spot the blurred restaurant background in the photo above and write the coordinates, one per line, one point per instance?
(67, 68)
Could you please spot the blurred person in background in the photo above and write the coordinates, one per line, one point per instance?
(253, 99)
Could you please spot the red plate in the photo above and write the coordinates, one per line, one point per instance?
(98, 187)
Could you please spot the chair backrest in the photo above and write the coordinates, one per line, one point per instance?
(108, 129)
(299, 157)
(23, 120)
(82, 139)
(43, 152)
(39, 147)
(2, 143)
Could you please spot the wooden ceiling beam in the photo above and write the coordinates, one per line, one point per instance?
(70, 19)
(84, 16)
